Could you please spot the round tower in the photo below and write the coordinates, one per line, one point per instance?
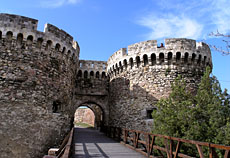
(143, 74)
(37, 77)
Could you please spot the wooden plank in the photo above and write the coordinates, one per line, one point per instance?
(200, 151)
(212, 153)
(227, 154)
(68, 146)
(177, 149)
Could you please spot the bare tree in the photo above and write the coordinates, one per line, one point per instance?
(225, 38)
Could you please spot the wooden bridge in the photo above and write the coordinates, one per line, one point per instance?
(125, 143)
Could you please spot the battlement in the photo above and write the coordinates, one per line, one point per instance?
(19, 22)
(92, 69)
(177, 51)
(24, 30)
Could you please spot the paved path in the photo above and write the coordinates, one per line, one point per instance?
(90, 143)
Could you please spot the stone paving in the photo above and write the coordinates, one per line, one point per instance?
(90, 143)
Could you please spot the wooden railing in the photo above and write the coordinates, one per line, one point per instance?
(65, 149)
(146, 143)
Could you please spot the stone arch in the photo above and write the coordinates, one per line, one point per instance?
(161, 58)
(145, 59)
(85, 74)
(85, 115)
(138, 61)
(91, 74)
(178, 56)
(29, 40)
(205, 58)
(68, 53)
(48, 45)
(97, 74)
(79, 74)
(170, 57)
(57, 47)
(63, 50)
(19, 38)
(125, 64)
(116, 69)
(9, 35)
(88, 101)
(131, 62)
(186, 57)
(153, 58)
(193, 57)
(199, 59)
(120, 66)
(113, 69)
(103, 75)
(39, 42)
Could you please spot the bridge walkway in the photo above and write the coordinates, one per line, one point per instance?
(90, 143)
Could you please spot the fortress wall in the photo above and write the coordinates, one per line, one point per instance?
(91, 78)
(140, 78)
(37, 80)
(92, 85)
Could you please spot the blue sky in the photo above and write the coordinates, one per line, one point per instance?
(102, 27)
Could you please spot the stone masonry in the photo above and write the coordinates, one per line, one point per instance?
(84, 115)
(142, 75)
(37, 81)
(43, 82)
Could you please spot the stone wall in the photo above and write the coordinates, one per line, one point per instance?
(37, 81)
(84, 115)
(143, 75)
(43, 82)
(92, 87)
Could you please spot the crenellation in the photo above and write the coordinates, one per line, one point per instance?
(58, 33)
(27, 27)
(36, 75)
(142, 46)
(19, 22)
(43, 81)
(97, 67)
(142, 77)
(175, 51)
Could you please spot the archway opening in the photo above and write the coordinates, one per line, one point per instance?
(89, 115)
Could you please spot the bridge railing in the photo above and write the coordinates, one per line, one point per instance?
(148, 144)
(65, 149)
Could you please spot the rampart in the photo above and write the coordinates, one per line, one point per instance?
(43, 82)
(92, 85)
(143, 73)
(37, 81)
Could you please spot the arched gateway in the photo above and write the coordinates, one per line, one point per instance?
(43, 82)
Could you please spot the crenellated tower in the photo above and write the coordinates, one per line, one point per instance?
(143, 73)
(37, 81)
(43, 82)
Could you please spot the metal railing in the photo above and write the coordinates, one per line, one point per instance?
(148, 144)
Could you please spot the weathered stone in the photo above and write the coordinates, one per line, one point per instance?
(43, 82)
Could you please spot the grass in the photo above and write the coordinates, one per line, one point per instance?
(85, 125)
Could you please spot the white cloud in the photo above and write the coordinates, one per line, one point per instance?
(57, 3)
(221, 15)
(171, 26)
(190, 19)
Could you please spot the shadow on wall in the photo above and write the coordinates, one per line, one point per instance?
(134, 95)
(130, 105)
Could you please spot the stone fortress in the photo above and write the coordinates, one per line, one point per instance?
(43, 82)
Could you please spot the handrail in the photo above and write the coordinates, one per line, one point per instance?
(136, 139)
(64, 150)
